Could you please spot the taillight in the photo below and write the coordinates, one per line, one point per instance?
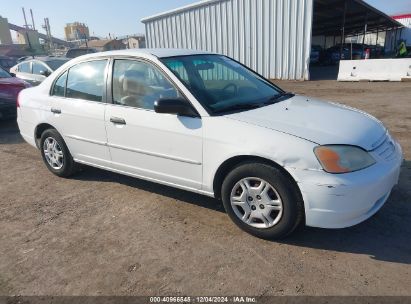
(17, 101)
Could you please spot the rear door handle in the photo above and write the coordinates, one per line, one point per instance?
(117, 121)
(55, 111)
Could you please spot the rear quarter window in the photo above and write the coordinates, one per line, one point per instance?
(59, 88)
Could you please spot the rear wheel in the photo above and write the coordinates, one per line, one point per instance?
(56, 155)
(262, 200)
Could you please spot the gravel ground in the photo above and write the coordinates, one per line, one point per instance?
(101, 233)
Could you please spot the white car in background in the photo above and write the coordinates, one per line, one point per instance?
(205, 123)
(35, 70)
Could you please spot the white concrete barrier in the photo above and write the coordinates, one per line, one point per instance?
(375, 70)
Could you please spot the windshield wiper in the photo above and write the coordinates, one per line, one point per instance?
(279, 97)
(238, 107)
(250, 106)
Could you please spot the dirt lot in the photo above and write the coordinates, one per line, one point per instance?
(100, 233)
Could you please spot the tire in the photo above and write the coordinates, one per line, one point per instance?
(277, 211)
(62, 164)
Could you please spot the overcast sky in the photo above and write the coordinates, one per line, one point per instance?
(120, 17)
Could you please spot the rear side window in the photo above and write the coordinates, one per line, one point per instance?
(86, 81)
(25, 67)
(60, 86)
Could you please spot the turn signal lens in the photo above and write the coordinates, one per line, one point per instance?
(343, 159)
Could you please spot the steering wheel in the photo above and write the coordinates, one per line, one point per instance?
(233, 86)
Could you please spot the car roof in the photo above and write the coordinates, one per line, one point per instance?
(44, 59)
(48, 58)
(159, 53)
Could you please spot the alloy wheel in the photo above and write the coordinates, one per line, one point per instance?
(53, 153)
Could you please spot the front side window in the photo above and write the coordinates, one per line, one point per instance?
(38, 67)
(60, 86)
(221, 84)
(86, 81)
(138, 84)
(24, 67)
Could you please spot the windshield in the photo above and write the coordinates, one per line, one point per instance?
(7, 63)
(4, 74)
(55, 64)
(221, 84)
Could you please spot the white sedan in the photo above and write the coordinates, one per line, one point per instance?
(205, 123)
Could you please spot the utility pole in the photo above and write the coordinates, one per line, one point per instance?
(365, 31)
(46, 26)
(25, 19)
(343, 28)
(32, 19)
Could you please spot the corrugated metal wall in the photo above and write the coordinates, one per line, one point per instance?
(406, 32)
(272, 37)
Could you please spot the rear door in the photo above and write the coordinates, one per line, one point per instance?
(78, 107)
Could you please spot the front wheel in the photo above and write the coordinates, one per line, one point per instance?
(262, 200)
(56, 155)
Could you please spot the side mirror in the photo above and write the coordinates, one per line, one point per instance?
(45, 73)
(12, 74)
(176, 106)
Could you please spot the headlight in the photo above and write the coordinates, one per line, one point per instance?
(343, 159)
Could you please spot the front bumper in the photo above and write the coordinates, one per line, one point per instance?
(343, 200)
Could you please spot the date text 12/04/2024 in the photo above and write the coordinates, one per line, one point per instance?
(240, 299)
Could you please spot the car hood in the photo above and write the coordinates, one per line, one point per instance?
(317, 121)
(13, 81)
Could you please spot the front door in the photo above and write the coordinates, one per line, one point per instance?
(37, 69)
(160, 147)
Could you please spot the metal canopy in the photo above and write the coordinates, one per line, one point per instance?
(328, 18)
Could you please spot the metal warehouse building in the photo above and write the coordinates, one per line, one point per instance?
(272, 37)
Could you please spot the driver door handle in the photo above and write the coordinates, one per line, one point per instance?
(55, 111)
(117, 120)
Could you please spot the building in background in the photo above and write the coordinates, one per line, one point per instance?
(373, 38)
(27, 40)
(14, 50)
(105, 45)
(135, 42)
(394, 36)
(405, 34)
(272, 37)
(5, 35)
(76, 31)
(30, 38)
